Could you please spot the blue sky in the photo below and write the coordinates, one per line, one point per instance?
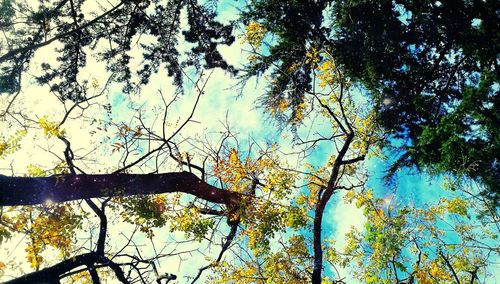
(249, 121)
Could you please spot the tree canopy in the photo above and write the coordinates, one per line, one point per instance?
(110, 30)
(431, 67)
(132, 151)
(434, 69)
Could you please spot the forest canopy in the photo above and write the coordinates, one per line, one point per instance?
(431, 67)
(184, 141)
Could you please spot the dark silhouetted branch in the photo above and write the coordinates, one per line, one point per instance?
(38, 190)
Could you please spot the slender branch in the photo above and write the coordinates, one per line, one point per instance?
(393, 262)
(10, 103)
(450, 267)
(225, 246)
(331, 113)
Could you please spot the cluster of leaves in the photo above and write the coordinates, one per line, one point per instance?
(51, 128)
(5, 231)
(431, 245)
(241, 175)
(147, 211)
(288, 265)
(128, 138)
(47, 226)
(264, 221)
(155, 211)
(11, 144)
(37, 171)
(294, 27)
(207, 33)
(254, 34)
(190, 221)
(274, 212)
(466, 140)
(433, 69)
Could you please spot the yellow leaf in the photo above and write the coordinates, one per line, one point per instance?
(50, 128)
(255, 34)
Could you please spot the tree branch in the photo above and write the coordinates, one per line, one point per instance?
(37, 190)
(225, 246)
(450, 267)
(51, 274)
(320, 208)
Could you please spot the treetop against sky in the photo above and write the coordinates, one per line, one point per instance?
(227, 142)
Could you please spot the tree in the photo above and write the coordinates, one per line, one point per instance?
(262, 211)
(435, 66)
(432, 69)
(81, 28)
(405, 243)
(118, 180)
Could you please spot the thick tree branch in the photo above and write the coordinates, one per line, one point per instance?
(353, 160)
(37, 190)
(51, 274)
(120, 276)
(101, 240)
(94, 275)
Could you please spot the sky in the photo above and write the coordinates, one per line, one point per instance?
(219, 104)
